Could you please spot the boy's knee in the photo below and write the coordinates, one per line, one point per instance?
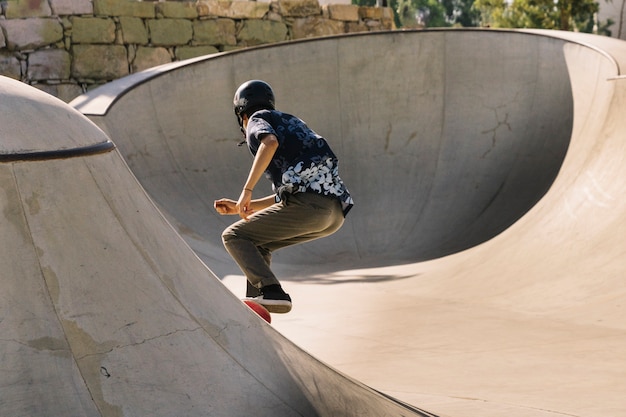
(228, 234)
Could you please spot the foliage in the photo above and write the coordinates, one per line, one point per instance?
(572, 15)
(429, 13)
(575, 15)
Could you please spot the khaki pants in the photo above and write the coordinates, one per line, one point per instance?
(301, 218)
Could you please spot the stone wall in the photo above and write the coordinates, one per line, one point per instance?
(65, 47)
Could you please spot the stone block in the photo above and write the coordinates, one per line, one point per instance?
(67, 91)
(355, 27)
(233, 9)
(71, 7)
(150, 57)
(143, 9)
(92, 30)
(371, 13)
(187, 52)
(388, 23)
(49, 64)
(387, 13)
(99, 62)
(177, 10)
(63, 91)
(273, 15)
(20, 9)
(134, 31)
(32, 33)
(215, 32)
(257, 32)
(10, 66)
(299, 8)
(374, 25)
(46, 88)
(344, 12)
(232, 48)
(170, 32)
(314, 26)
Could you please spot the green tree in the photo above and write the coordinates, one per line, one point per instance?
(461, 13)
(429, 13)
(570, 15)
(421, 13)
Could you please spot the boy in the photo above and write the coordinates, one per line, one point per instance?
(310, 198)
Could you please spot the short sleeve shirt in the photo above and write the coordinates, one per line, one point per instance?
(303, 162)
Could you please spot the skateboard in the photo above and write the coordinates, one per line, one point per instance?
(259, 309)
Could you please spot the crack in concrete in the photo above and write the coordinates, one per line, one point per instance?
(149, 339)
(494, 131)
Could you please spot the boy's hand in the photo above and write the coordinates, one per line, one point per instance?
(243, 206)
(225, 206)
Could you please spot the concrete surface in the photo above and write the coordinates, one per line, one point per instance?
(453, 174)
(480, 271)
(479, 274)
(106, 311)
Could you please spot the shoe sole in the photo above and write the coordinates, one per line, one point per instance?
(273, 306)
(277, 308)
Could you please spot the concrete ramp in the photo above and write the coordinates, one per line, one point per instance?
(105, 310)
(445, 138)
(479, 274)
(481, 271)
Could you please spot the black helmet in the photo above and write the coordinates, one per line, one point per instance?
(251, 96)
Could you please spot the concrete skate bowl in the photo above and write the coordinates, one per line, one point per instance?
(445, 138)
(106, 312)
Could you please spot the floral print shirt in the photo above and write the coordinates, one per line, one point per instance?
(303, 161)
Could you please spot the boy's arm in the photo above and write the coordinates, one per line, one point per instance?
(261, 203)
(264, 155)
(228, 206)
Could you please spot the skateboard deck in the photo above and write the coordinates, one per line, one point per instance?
(259, 309)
